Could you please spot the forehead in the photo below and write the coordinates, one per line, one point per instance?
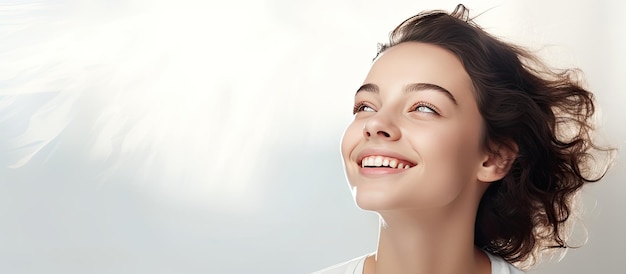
(413, 62)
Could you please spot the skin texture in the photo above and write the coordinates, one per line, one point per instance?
(427, 211)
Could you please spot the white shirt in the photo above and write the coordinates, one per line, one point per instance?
(355, 266)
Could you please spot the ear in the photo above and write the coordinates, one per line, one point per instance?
(497, 162)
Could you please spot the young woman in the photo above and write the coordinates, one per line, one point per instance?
(468, 148)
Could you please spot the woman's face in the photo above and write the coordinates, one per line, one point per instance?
(416, 108)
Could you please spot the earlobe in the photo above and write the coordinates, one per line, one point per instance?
(497, 163)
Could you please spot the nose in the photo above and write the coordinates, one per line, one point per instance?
(380, 126)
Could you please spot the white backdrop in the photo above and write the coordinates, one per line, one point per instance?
(203, 137)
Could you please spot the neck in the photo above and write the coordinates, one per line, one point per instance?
(441, 243)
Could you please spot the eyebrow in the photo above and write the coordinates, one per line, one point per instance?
(414, 87)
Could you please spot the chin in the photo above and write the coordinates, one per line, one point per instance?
(374, 201)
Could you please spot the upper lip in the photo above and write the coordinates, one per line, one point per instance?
(384, 153)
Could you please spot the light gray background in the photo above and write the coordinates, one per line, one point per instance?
(203, 137)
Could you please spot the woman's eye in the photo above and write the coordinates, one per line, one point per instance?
(425, 108)
(362, 107)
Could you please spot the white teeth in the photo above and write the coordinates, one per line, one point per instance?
(393, 163)
(381, 161)
(378, 161)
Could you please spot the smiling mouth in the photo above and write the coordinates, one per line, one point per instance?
(385, 162)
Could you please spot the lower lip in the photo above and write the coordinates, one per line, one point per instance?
(373, 171)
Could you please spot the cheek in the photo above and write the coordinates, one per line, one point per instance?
(464, 147)
(351, 137)
(448, 143)
(450, 158)
(466, 154)
(445, 160)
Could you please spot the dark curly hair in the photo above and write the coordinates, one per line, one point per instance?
(545, 112)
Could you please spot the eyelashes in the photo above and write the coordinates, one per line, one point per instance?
(425, 107)
(361, 106)
(421, 106)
